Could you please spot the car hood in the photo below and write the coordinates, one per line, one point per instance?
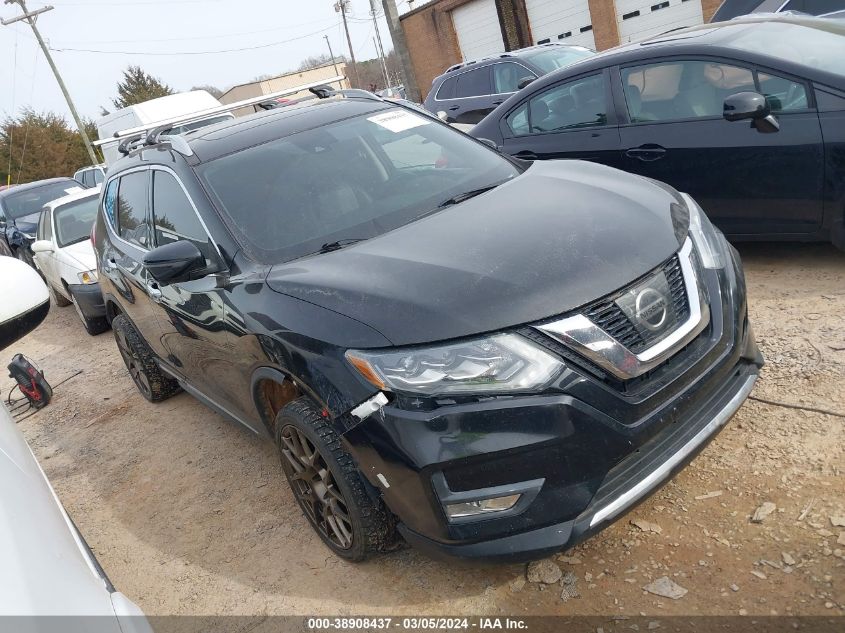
(80, 255)
(557, 237)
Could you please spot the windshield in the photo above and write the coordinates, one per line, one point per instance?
(349, 180)
(33, 200)
(819, 47)
(73, 221)
(551, 59)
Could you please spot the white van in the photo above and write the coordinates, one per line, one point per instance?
(155, 110)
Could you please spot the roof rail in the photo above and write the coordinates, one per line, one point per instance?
(326, 91)
(166, 124)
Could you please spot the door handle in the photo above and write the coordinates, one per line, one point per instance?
(526, 155)
(453, 108)
(646, 153)
(499, 102)
(153, 290)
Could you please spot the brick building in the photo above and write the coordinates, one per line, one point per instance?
(440, 33)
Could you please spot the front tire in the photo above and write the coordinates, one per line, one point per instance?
(153, 383)
(328, 486)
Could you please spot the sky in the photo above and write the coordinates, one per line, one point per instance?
(175, 40)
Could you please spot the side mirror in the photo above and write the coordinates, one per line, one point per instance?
(174, 262)
(750, 106)
(524, 82)
(25, 300)
(42, 246)
(443, 116)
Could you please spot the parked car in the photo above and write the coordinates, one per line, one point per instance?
(468, 91)
(730, 9)
(48, 569)
(495, 358)
(746, 116)
(65, 256)
(91, 176)
(20, 208)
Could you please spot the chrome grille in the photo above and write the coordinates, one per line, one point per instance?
(606, 314)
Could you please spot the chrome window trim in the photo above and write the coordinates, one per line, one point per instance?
(585, 337)
(645, 485)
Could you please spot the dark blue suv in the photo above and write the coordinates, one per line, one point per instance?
(468, 91)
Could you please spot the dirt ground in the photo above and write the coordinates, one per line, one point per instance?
(190, 514)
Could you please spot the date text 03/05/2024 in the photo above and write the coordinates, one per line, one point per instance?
(414, 623)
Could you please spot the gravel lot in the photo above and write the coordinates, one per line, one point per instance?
(190, 514)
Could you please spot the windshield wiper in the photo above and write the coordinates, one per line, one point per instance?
(328, 247)
(466, 195)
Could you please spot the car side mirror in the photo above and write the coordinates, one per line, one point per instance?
(174, 262)
(524, 82)
(750, 106)
(42, 246)
(25, 300)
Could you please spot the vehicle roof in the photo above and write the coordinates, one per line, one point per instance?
(239, 133)
(704, 39)
(520, 52)
(73, 197)
(34, 185)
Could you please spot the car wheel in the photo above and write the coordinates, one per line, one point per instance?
(57, 297)
(328, 486)
(93, 326)
(153, 384)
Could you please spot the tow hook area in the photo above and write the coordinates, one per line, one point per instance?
(368, 407)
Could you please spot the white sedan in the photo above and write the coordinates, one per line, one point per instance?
(65, 256)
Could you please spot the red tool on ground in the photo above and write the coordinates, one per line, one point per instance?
(31, 381)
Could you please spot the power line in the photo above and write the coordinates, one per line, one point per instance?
(212, 52)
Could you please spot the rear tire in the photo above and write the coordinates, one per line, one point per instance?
(95, 325)
(58, 298)
(328, 486)
(153, 383)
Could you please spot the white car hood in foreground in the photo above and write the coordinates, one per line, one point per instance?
(46, 569)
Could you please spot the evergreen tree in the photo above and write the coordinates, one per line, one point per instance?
(138, 86)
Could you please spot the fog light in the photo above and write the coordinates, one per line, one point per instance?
(483, 506)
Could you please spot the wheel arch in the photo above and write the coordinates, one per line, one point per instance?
(273, 388)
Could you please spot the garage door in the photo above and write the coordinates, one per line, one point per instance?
(564, 21)
(639, 19)
(477, 26)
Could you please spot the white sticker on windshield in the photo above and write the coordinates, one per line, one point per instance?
(398, 120)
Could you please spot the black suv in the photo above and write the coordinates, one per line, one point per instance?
(468, 91)
(492, 358)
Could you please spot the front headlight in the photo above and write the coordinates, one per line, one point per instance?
(704, 236)
(498, 363)
(88, 277)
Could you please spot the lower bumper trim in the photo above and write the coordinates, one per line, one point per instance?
(629, 498)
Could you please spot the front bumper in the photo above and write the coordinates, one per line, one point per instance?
(89, 299)
(582, 453)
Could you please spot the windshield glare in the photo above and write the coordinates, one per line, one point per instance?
(820, 48)
(353, 179)
(33, 200)
(73, 221)
(553, 58)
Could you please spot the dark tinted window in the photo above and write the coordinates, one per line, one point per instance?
(132, 224)
(447, 89)
(474, 83)
(507, 75)
(174, 217)
(74, 221)
(815, 7)
(571, 105)
(352, 179)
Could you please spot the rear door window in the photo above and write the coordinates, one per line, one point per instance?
(447, 89)
(507, 75)
(474, 83)
(131, 212)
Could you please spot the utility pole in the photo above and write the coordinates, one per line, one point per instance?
(334, 63)
(30, 17)
(340, 7)
(409, 77)
(379, 48)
